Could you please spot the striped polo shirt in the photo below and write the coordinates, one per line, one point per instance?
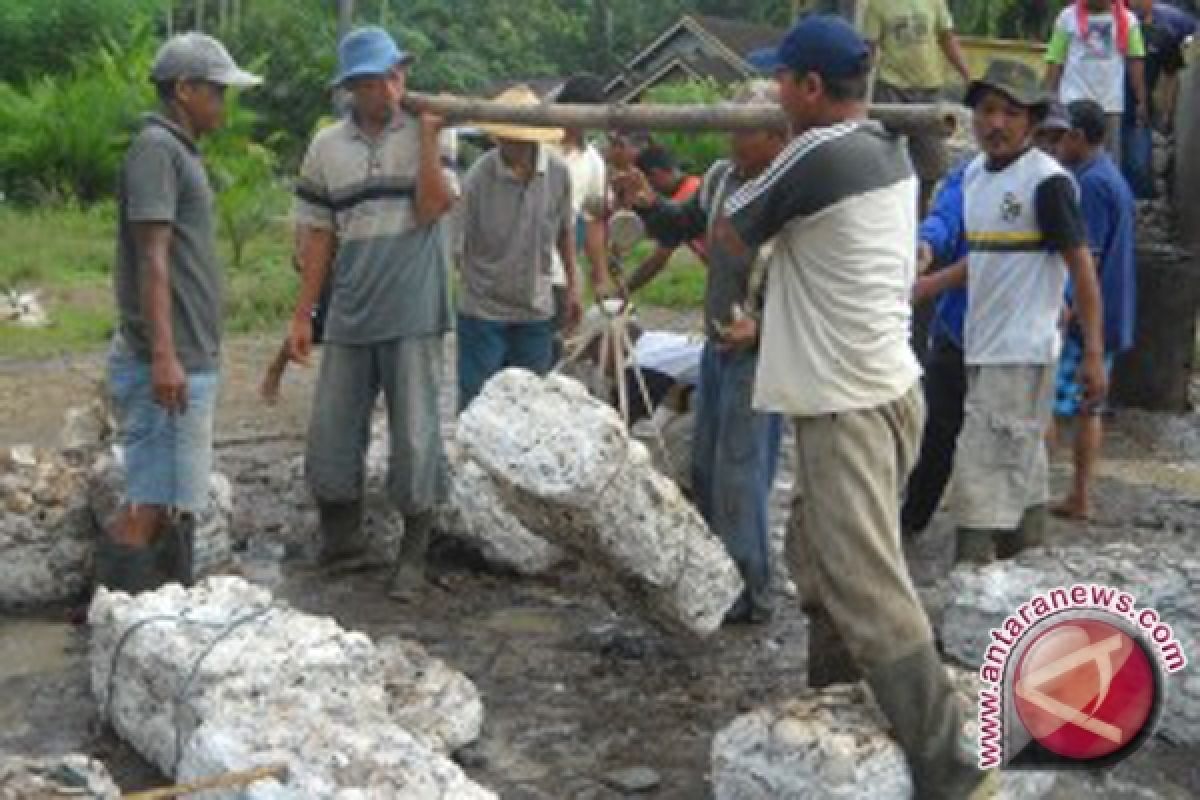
(390, 276)
(840, 203)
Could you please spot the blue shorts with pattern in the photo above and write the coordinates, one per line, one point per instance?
(168, 457)
(1068, 395)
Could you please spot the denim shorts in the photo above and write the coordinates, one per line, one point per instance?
(168, 457)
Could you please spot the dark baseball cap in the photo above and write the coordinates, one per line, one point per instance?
(822, 43)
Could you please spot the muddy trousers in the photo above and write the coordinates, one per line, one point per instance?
(407, 371)
(844, 552)
(734, 453)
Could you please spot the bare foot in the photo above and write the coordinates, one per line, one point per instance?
(1072, 509)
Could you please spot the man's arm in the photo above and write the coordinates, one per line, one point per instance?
(315, 249)
(1137, 77)
(954, 54)
(1056, 57)
(1089, 314)
(650, 267)
(1060, 218)
(434, 195)
(566, 251)
(942, 230)
(595, 247)
(932, 284)
(153, 241)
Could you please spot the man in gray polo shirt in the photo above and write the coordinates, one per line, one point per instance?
(165, 354)
(517, 213)
(369, 200)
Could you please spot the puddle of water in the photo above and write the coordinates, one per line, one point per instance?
(526, 622)
(33, 647)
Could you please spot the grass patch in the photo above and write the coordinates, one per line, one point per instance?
(680, 285)
(68, 254)
(57, 248)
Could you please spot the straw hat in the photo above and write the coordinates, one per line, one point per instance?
(519, 95)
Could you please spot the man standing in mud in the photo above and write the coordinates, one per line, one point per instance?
(165, 355)
(735, 448)
(1025, 231)
(840, 203)
(370, 195)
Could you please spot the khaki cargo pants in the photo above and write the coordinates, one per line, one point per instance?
(843, 540)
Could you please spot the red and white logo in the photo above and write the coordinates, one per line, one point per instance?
(1084, 689)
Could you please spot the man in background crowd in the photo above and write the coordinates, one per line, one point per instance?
(1108, 209)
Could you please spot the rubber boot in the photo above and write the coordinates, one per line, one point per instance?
(928, 721)
(122, 568)
(974, 546)
(409, 572)
(176, 550)
(1031, 533)
(829, 662)
(341, 532)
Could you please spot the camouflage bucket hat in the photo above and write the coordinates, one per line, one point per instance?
(1019, 82)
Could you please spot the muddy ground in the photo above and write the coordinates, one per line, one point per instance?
(573, 691)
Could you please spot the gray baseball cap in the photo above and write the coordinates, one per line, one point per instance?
(198, 56)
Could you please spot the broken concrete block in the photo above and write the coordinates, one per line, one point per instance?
(213, 545)
(1165, 578)
(570, 472)
(46, 535)
(220, 678)
(831, 743)
(56, 776)
(478, 516)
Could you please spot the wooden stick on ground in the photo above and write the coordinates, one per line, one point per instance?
(227, 781)
(937, 119)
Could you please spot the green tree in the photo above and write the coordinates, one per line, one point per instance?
(43, 37)
(695, 152)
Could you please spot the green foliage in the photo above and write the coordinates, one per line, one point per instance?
(249, 198)
(695, 152)
(679, 285)
(293, 44)
(40, 37)
(1006, 19)
(62, 136)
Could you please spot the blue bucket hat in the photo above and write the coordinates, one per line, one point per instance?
(822, 43)
(368, 51)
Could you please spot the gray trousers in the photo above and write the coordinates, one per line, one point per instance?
(843, 539)
(409, 373)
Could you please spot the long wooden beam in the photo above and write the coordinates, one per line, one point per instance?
(941, 119)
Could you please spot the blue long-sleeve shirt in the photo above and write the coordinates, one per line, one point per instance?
(944, 231)
(1108, 208)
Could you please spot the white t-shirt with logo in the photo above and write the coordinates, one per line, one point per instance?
(1093, 64)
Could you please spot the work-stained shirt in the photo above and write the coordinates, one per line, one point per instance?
(163, 180)
(841, 204)
(511, 229)
(908, 35)
(390, 274)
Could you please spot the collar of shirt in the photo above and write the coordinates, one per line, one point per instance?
(155, 118)
(396, 123)
(540, 167)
